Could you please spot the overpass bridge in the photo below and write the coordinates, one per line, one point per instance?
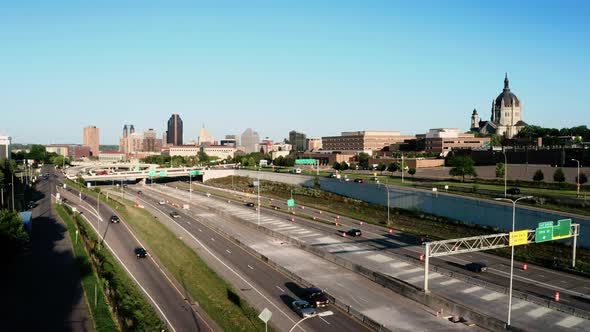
(130, 175)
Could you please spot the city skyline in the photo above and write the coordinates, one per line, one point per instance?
(315, 68)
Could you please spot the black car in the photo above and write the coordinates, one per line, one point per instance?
(359, 181)
(315, 297)
(174, 214)
(513, 191)
(249, 204)
(115, 219)
(354, 232)
(139, 192)
(140, 252)
(477, 267)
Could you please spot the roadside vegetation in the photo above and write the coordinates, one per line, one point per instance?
(551, 254)
(13, 237)
(100, 310)
(217, 297)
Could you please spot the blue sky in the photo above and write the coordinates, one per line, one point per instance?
(321, 67)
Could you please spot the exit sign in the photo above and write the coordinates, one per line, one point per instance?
(305, 161)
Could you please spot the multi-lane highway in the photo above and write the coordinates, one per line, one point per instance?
(372, 253)
(165, 294)
(396, 312)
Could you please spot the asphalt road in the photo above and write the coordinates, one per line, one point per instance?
(279, 289)
(162, 291)
(41, 289)
(574, 290)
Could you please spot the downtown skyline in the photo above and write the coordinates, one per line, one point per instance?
(316, 68)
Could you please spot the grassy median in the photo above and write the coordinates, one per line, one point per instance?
(217, 297)
(101, 312)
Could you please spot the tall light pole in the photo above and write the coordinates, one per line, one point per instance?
(577, 178)
(402, 166)
(505, 170)
(190, 187)
(387, 188)
(512, 254)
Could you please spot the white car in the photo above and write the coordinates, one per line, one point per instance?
(162, 202)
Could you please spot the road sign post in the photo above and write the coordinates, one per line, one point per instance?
(265, 316)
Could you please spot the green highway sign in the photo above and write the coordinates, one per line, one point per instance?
(195, 172)
(136, 168)
(291, 202)
(152, 173)
(162, 173)
(544, 234)
(545, 224)
(563, 228)
(305, 161)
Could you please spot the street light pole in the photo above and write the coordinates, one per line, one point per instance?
(577, 178)
(190, 187)
(402, 167)
(512, 254)
(387, 188)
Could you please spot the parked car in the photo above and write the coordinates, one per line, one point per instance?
(162, 202)
(359, 180)
(303, 308)
(174, 214)
(140, 252)
(316, 297)
(296, 170)
(139, 192)
(477, 267)
(249, 204)
(513, 191)
(354, 232)
(115, 219)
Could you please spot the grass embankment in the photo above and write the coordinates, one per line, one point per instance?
(129, 307)
(414, 222)
(214, 295)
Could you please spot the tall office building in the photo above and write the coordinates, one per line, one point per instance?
(150, 141)
(91, 139)
(250, 140)
(5, 142)
(174, 133)
(204, 137)
(298, 140)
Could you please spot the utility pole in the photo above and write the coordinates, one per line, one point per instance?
(258, 197)
(12, 185)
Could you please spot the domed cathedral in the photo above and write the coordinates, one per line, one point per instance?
(506, 119)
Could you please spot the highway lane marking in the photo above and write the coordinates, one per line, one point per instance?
(541, 311)
(492, 296)
(570, 321)
(228, 251)
(399, 265)
(200, 230)
(520, 305)
(449, 282)
(222, 262)
(325, 321)
(251, 268)
(282, 290)
(471, 290)
(212, 239)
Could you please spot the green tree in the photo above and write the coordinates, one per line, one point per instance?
(336, 166)
(13, 237)
(316, 182)
(363, 159)
(495, 140)
(558, 175)
(392, 167)
(412, 171)
(251, 161)
(176, 161)
(203, 157)
(583, 179)
(38, 152)
(539, 176)
(500, 170)
(381, 167)
(462, 166)
(343, 166)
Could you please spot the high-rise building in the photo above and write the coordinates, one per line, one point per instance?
(150, 141)
(5, 142)
(91, 140)
(314, 144)
(298, 140)
(236, 138)
(174, 133)
(204, 137)
(250, 140)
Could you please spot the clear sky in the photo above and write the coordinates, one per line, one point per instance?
(321, 67)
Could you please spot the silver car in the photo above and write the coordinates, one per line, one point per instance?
(303, 308)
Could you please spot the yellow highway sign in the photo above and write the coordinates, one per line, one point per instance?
(518, 238)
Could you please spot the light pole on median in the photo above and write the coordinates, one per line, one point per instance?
(577, 178)
(387, 188)
(319, 314)
(190, 187)
(512, 254)
(258, 210)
